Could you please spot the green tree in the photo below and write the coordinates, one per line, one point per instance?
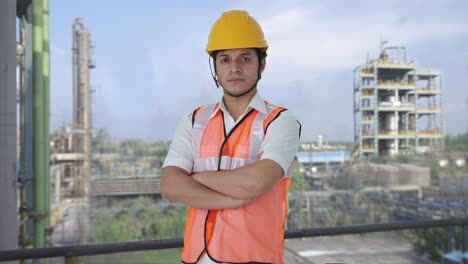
(456, 143)
(140, 219)
(431, 241)
(297, 177)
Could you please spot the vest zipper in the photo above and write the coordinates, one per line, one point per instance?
(219, 168)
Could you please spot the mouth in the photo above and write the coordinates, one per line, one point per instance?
(234, 80)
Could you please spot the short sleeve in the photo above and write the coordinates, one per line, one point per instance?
(282, 140)
(180, 151)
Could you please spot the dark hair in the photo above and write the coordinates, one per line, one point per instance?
(260, 53)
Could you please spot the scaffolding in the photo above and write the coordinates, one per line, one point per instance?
(397, 106)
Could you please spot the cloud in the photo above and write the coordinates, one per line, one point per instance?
(302, 39)
(180, 82)
(314, 47)
(312, 56)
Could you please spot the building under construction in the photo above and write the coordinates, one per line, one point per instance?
(397, 106)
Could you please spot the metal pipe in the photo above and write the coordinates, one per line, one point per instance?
(77, 25)
(46, 80)
(85, 77)
(22, 154)
(21, 78)
(109, 248)
(8, 204)
(26, 117)
(74, 69)
(39, 211)
(82, 113)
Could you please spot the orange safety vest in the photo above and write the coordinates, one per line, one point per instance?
(253, 233)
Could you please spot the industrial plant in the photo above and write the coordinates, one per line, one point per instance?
(397, 106)
(71, 147)
(72, 192)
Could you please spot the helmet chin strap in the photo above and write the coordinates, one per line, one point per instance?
(211, 71)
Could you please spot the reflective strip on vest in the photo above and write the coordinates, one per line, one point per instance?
(251, 233)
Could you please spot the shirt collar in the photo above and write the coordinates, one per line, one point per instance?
(256, 103)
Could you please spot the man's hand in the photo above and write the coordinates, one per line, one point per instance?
(177, 185)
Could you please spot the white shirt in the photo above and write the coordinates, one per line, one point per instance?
(280, 144)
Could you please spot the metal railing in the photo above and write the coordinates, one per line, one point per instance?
(109, 248)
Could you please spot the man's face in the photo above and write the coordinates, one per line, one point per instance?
(237, 69)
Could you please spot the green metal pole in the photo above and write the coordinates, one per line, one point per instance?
(38, 123)
(46, 76)
(8, 125)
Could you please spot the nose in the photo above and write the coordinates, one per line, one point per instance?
(235, 67)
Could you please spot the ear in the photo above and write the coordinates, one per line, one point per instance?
(262, 65)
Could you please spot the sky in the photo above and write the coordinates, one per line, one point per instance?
(152, 68)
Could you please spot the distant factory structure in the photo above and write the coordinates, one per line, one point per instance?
(397, 106)
(71, 147)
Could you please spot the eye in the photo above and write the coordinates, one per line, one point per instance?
(245, 59)
(224, 60)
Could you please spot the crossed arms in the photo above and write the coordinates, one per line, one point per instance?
(220, 189)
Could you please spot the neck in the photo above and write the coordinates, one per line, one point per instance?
(237, 105)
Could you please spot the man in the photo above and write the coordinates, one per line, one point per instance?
(230, 162)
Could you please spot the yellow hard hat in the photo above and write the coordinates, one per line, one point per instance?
(235, 30)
